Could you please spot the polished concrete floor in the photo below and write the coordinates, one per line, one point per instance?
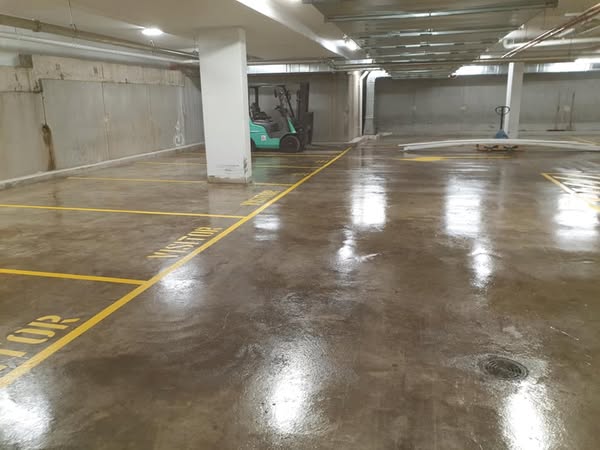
(336, 304)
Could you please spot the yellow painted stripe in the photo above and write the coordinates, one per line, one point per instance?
(159, 180)
(589, 175)
(574, 179)
(203, 164)
(585, 141)
(570, 191)
(12, 353)
(70, 276)
(95, 320)
(276, 166)
(172, 163)
(592, 197)
(295, 155)
(273, 184)
(582, 186)
(120, 211)
(477, 157)
(445, 158)
(139, 180)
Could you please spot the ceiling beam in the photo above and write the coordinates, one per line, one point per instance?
(42, 27)
(583, 17)
(541, 4)
(433, 32)
(400, 65)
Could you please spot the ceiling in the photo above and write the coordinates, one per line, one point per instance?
(267, 38)
(428, 38)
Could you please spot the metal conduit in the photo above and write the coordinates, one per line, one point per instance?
(42, 27)
(586, 15)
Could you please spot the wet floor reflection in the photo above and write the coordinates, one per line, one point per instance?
(528, 418)
(267, 227)
(291, 389)
(463, 207)
(25, 422)
(369, 201)
(482, 264)
(577, 224)
(464, 219)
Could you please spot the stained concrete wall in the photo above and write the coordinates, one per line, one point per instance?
(328, 100)
(96, 112)
(466, 104)
(22, 149)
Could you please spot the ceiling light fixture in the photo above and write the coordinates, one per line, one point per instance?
(152, 31)
(350, 44)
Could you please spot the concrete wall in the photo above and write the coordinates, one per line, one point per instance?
(22, 149)
(328, 100)
(95, 111)
(466, 104)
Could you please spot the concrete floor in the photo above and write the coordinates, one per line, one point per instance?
(351, 313)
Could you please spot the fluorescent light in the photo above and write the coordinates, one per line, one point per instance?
(351, 45)
(152, 31)
(588, 60)
(470, 70)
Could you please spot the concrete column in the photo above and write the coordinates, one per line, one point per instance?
(354, 105)
(370, 128)
(370, 104)
(224, 79)
(514, 91)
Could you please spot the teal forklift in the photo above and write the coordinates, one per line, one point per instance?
(292, 133)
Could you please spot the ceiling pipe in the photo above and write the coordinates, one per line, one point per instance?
(446, 13)
(43, 27)
(431, 32)
(555, 42)
(264, 62)
(586, 15)
(451, 63)
(94, 49)
(465, 44)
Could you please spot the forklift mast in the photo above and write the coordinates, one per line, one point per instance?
(305, 119)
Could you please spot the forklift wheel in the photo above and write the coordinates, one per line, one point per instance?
(252, 145)
(290, 144)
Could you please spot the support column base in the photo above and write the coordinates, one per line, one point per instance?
(222, 180)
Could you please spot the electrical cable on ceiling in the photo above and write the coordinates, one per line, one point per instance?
(71, 16)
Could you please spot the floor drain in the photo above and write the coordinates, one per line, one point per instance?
(504, 368)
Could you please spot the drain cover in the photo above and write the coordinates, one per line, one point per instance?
(503, 368)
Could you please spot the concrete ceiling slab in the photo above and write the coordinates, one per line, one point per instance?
(181, 21)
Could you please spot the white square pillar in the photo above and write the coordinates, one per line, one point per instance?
(224, 78)
(354, 105)
(514, 93)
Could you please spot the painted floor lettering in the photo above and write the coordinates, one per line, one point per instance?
(260, 199)
(186, 244)
(20, 342)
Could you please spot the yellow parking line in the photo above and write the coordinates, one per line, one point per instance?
(160, 180)
(273, 184)
(444, 158)
(276, 166)
(99, 317)
(70, 276)
(585, 141)
(570, 191)
(172, 163)
(120, 211)
(579, 184)
(577, 176)
(203, 164)
(295, 155)
(139, 180)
